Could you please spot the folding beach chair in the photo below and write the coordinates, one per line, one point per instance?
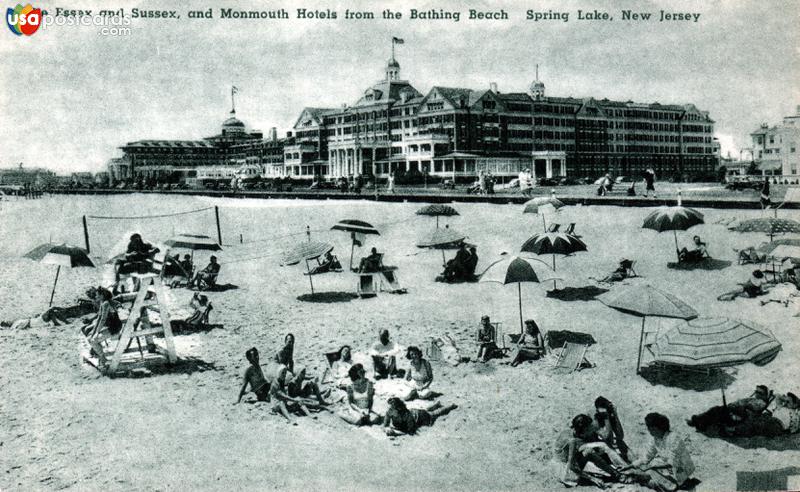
(553, 227)
(389, 278)
(571, 230)
(366, 285)
(572, 358)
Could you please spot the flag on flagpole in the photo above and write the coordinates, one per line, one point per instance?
(234, 89)
(765, 201)
(359, 238)
(397, 40)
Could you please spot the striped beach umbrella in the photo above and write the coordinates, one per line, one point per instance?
(437, 210)
(542, 205)
(553, 243)
(769, 225)
(715, 342)
(194, 242)
(304, 251)
(60, 255)
(673, 219)
(442, 239)
(357, 229)
(518, 270)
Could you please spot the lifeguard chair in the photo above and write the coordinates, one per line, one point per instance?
(118, 356)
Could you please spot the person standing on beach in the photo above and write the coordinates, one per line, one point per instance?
(390, 183)
(649, 181)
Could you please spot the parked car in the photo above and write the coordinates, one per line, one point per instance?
(738, 183)
(547, 182)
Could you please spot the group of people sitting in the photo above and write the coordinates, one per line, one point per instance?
(290, 392)
(529, 346)
(760, 414)
(594, 451)
(462, 267)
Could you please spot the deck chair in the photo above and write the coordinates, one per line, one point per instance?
(749, 256)
(571, 230)
(553, 227)
(366, 285)
(629, 271)
(389, 278)
(572, 358)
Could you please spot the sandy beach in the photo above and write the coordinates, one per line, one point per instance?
(64, 426)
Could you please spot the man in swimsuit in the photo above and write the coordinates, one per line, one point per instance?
(254, 377)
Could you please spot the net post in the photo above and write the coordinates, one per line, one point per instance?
(219, 231)
(86, 234)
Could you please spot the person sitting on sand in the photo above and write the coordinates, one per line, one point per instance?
(254, 377)
(360, 394)
(172, 266)
(384, 359)
(487, 348)
(207, 275)
(292, 392)
(623, 271)
(187, 265)
(471, 265)
(737, 411)
(579, 445)
(107, 322)
(608, 426)
(340, 368)
(667, 464)
(530, 345)
(420, 376)
(400, 420)
(371, 263)
(285, 355)
(699, 252)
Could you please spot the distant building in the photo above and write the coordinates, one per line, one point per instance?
(775, 149)
(119, 169)
(455, 132)
(216, 157)
(82, 178)
(21, 176)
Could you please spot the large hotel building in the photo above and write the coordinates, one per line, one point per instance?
(456, 132)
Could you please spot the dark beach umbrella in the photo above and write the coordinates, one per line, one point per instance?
(673, 219)
(706, 343)
(553, 243)
(304, 251)
(769, 225)
(442, 239)
(437, 210)
(644, 301)
(541, 205)
(355, 227)
(194, 242)
(516, 270)
(770, 247)
(61, 255)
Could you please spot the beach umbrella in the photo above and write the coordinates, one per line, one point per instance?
(541, 205)
(194, 242)
(437, 210)
(768, 225)
(673, 219)
(516, 270)
(553, 243)
(304, 251)
(442, 239)
(770, 246)
(706, 343)
(786, 252)
(644, 301)
(60, 255)
(355, 228)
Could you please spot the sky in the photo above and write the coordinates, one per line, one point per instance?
(71, 96)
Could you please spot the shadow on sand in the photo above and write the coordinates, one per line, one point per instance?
(715, 379)
(585, 293)
(185, 365)
(328, 297)
(706, 264)
(181, 327)
(223, 287)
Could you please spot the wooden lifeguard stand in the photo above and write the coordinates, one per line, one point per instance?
(118, 356)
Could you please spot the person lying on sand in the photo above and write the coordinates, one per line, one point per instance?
(698, 253)
(783, 419)
(254, 377)
(420, 376)
(623, 271)
(383, 356)
(737, 411)
(400, 420)
(667, 464)
(360, 395)
(579, 445)
(755, 286)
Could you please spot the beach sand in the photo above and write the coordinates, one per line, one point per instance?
(65, 426)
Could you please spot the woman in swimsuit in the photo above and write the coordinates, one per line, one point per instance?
(359, 398)
(401, 420)
(254, 377)
(420, 374)
(286, 354)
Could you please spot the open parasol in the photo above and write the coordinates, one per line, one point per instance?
(516, 270)
(644, 301)
(442, 239)
(673, 219)
(437, 210)
(541, 205)
(356, 228)
(768, 225)
(304, 251)
(60, 255)
(553, 243)
(194, 242)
